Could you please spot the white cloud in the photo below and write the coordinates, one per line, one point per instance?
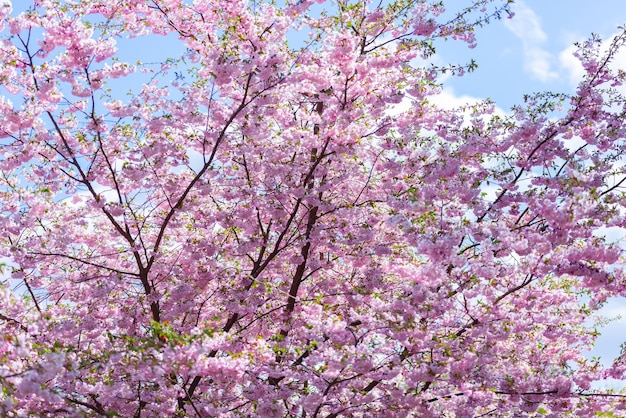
(526, 25)
(447, 99)
(574, 68)
(571, 65)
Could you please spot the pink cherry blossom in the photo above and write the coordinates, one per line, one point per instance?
(274, 219)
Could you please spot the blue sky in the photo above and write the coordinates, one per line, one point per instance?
(532, 51)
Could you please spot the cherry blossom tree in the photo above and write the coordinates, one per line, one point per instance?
(277, 221)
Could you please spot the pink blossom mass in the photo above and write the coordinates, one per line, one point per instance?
(276, 219)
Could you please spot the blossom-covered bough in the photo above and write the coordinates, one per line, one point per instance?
(277, 221)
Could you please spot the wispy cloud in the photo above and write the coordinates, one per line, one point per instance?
(448, 99)
(572, 66)
(526, 25)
